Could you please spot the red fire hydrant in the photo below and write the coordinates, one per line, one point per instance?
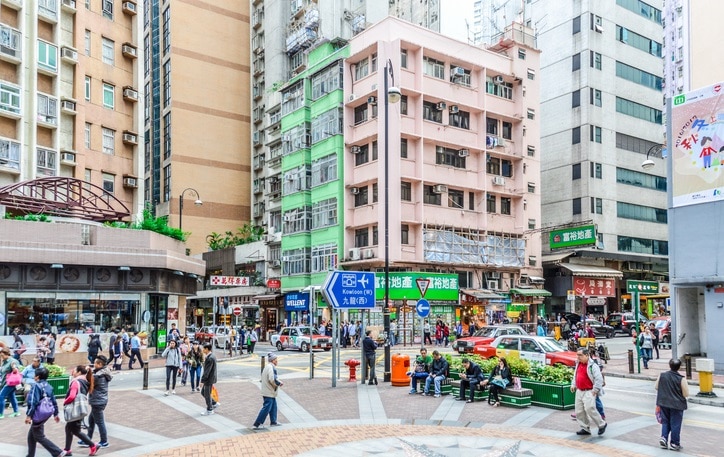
(352, 364)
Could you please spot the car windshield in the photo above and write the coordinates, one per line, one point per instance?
(659, 324)
(551, 345)
(486, 331)
(305, 331)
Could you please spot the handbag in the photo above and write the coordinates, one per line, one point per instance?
(77, 410)
(13, 379)
(21, 350)
(214, 394)
(45, 409)
(657, 413)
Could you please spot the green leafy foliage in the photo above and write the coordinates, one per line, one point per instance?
(551, 374)
(55, 371)
(159, 225)
(29, 217)
(246, 234)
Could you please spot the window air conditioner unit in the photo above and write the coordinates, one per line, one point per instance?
(67, 157)
(498, 79)
(441, 106)
(131, 94)
(129, 50)
(457, 71)
(130, 181)
(498, 181)
(67, 106)
(355, 149)
(372, 100)
(129, 8)
(352, 97)
(454, 109)
(69, 4)
(354, 190)
(354, 254)
(275, 264)
(493, 285)
(493, 275)
(69, 54)
(130, 138)
(598, 28)
(368, 253)
(439, 188)
(463, 153)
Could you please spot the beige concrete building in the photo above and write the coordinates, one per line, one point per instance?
(197, 114)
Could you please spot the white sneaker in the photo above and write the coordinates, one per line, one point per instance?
(173, 392)
(207, 413)
(165, 394)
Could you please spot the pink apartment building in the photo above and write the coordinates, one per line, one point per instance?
(464, 149)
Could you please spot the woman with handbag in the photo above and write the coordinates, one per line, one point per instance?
(10, 378)
(195, 359)
(76, 407)
(499, 379)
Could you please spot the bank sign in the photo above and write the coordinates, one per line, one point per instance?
(584, 235)
(403, 286)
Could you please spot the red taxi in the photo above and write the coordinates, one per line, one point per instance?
(539, 349)
(298, 338)
(485, 336)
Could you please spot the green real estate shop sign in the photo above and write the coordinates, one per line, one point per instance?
(403, 286)
(574, 236)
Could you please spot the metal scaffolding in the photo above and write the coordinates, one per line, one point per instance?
(473, 246)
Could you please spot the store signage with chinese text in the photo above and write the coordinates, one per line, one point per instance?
(599, 287)
(574, 236)
(274, 283)
(642, 287)
(229, 280)
(403, 285)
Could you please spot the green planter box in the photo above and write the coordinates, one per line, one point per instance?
(455, 376)
(479, 395)
(556, 396)
(60, 385)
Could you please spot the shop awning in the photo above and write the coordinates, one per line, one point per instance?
(531, 292)
(482, 294)
(267, 297)
(556, 258)
(591, 271)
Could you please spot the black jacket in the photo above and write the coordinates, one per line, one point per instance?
(209, 374)
(439, 367)
(504, 373)
(369, 346)
(474, 372)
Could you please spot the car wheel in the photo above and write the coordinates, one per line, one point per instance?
(304, 347)
(327, 349)
(629, 330)
(610, 334)
(279, 346)
(666, 339)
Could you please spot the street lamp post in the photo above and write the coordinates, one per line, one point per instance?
(198, 202)
(392, 95)
(648, 163)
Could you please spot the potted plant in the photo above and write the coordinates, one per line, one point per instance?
(550, 386)
(58, 379)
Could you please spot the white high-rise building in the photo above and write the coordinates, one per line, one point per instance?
(490, 17)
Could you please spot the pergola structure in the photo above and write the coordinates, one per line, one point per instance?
(63, 197)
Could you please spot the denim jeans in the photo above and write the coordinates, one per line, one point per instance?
(646, 355)
(268, 408)
(414, 377)
(9, 393)
(195, 376)
(671, 420)
(96, 417)
(437, 380)
(171, 373)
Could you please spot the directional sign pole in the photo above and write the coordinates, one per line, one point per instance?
(635, 306)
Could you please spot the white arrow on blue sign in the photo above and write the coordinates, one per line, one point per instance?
(350, 289)
(423, 307)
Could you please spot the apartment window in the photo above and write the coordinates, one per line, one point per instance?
(638, 110)
(449, 157)
(363, 156)
(633, 144)
(499, 167)
(531, 187)
(87, 178)
(531, 151)
(88, 4)
(576, 135)
(459, 75)
(324, 213)
(107, 7)
(361, 237)
(88, 88)
(576, 206)
(505, 205)
(576, 62)
(532, 260)
(293, 98)
(109, 92)
(108, 51)
(87, 135)
(576, 25)
(637, 76)
(297, 179)
(167, 135)
(638, 179)
(576, 171)
(575, 98)
(327, 124)
(490, 203)
(403, 148)
(327, 80)
(109, 141)
(595, 134)
(87, 42)
(491, 126)
(521, 53)
(595, 97)
(596, 205)
(431, 113)
(167, 83)
(638, 41)
(47, 109)
(361, 68)
(403, 105)
(504, 89)
(595, 58)
(642, 9)
(507, 130)
(531, 224)
(642, 245)
(641, 213)
(596, 23)
(324, 257)
(10, 154)
(375, 190)
(403, 58)
(47, 56)
(375, 150)
(531, 74)
(404, 234)
(531, 114)
(596, 170)
(433, 68)
(109, 183)
(471, 201)
(456, 199)
(166, 30)
(430, 197)
(362, 197)
(167, 183)
(324, 170)
(296, 138)
(360, 114)
(406, 191)
(461, 119)
(46, 159)
(298, 220)
(297, 261)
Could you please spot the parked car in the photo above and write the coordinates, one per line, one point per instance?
(191, 332)
(600, 329)
(485, 335)
(219, 336)
(542, 349)
(663, 325)
(624, 322)
(298, 338)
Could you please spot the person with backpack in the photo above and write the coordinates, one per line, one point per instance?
(94, 347)
(98, 400)
(41, 407)
(82, 384)
(195, 360)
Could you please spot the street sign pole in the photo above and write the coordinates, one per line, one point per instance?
(335, 347)
(635, 308)
(311, 332)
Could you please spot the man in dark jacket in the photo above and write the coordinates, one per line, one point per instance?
(671, 398)
(369, 347)
(438, 372)
(208, 378)
(470, 379)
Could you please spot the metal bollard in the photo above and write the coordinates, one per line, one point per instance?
(263, 363)
(687, 364)
(145, 375)
(311, 368)
(630, 361)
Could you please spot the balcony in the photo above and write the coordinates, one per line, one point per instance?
(10, 100)
(48, 11)
(10, 44)
(47, 114)
(9, 156)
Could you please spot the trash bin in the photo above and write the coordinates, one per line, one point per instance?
(400, 367)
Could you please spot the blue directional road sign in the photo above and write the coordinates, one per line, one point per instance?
(350, 289)
(423, 308)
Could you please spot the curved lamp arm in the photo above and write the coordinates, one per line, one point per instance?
(648, 163)
(197, 202)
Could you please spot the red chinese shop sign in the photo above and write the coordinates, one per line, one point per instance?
(598, 287)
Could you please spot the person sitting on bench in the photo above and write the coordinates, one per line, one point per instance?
(499, 379)
(471, 378)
